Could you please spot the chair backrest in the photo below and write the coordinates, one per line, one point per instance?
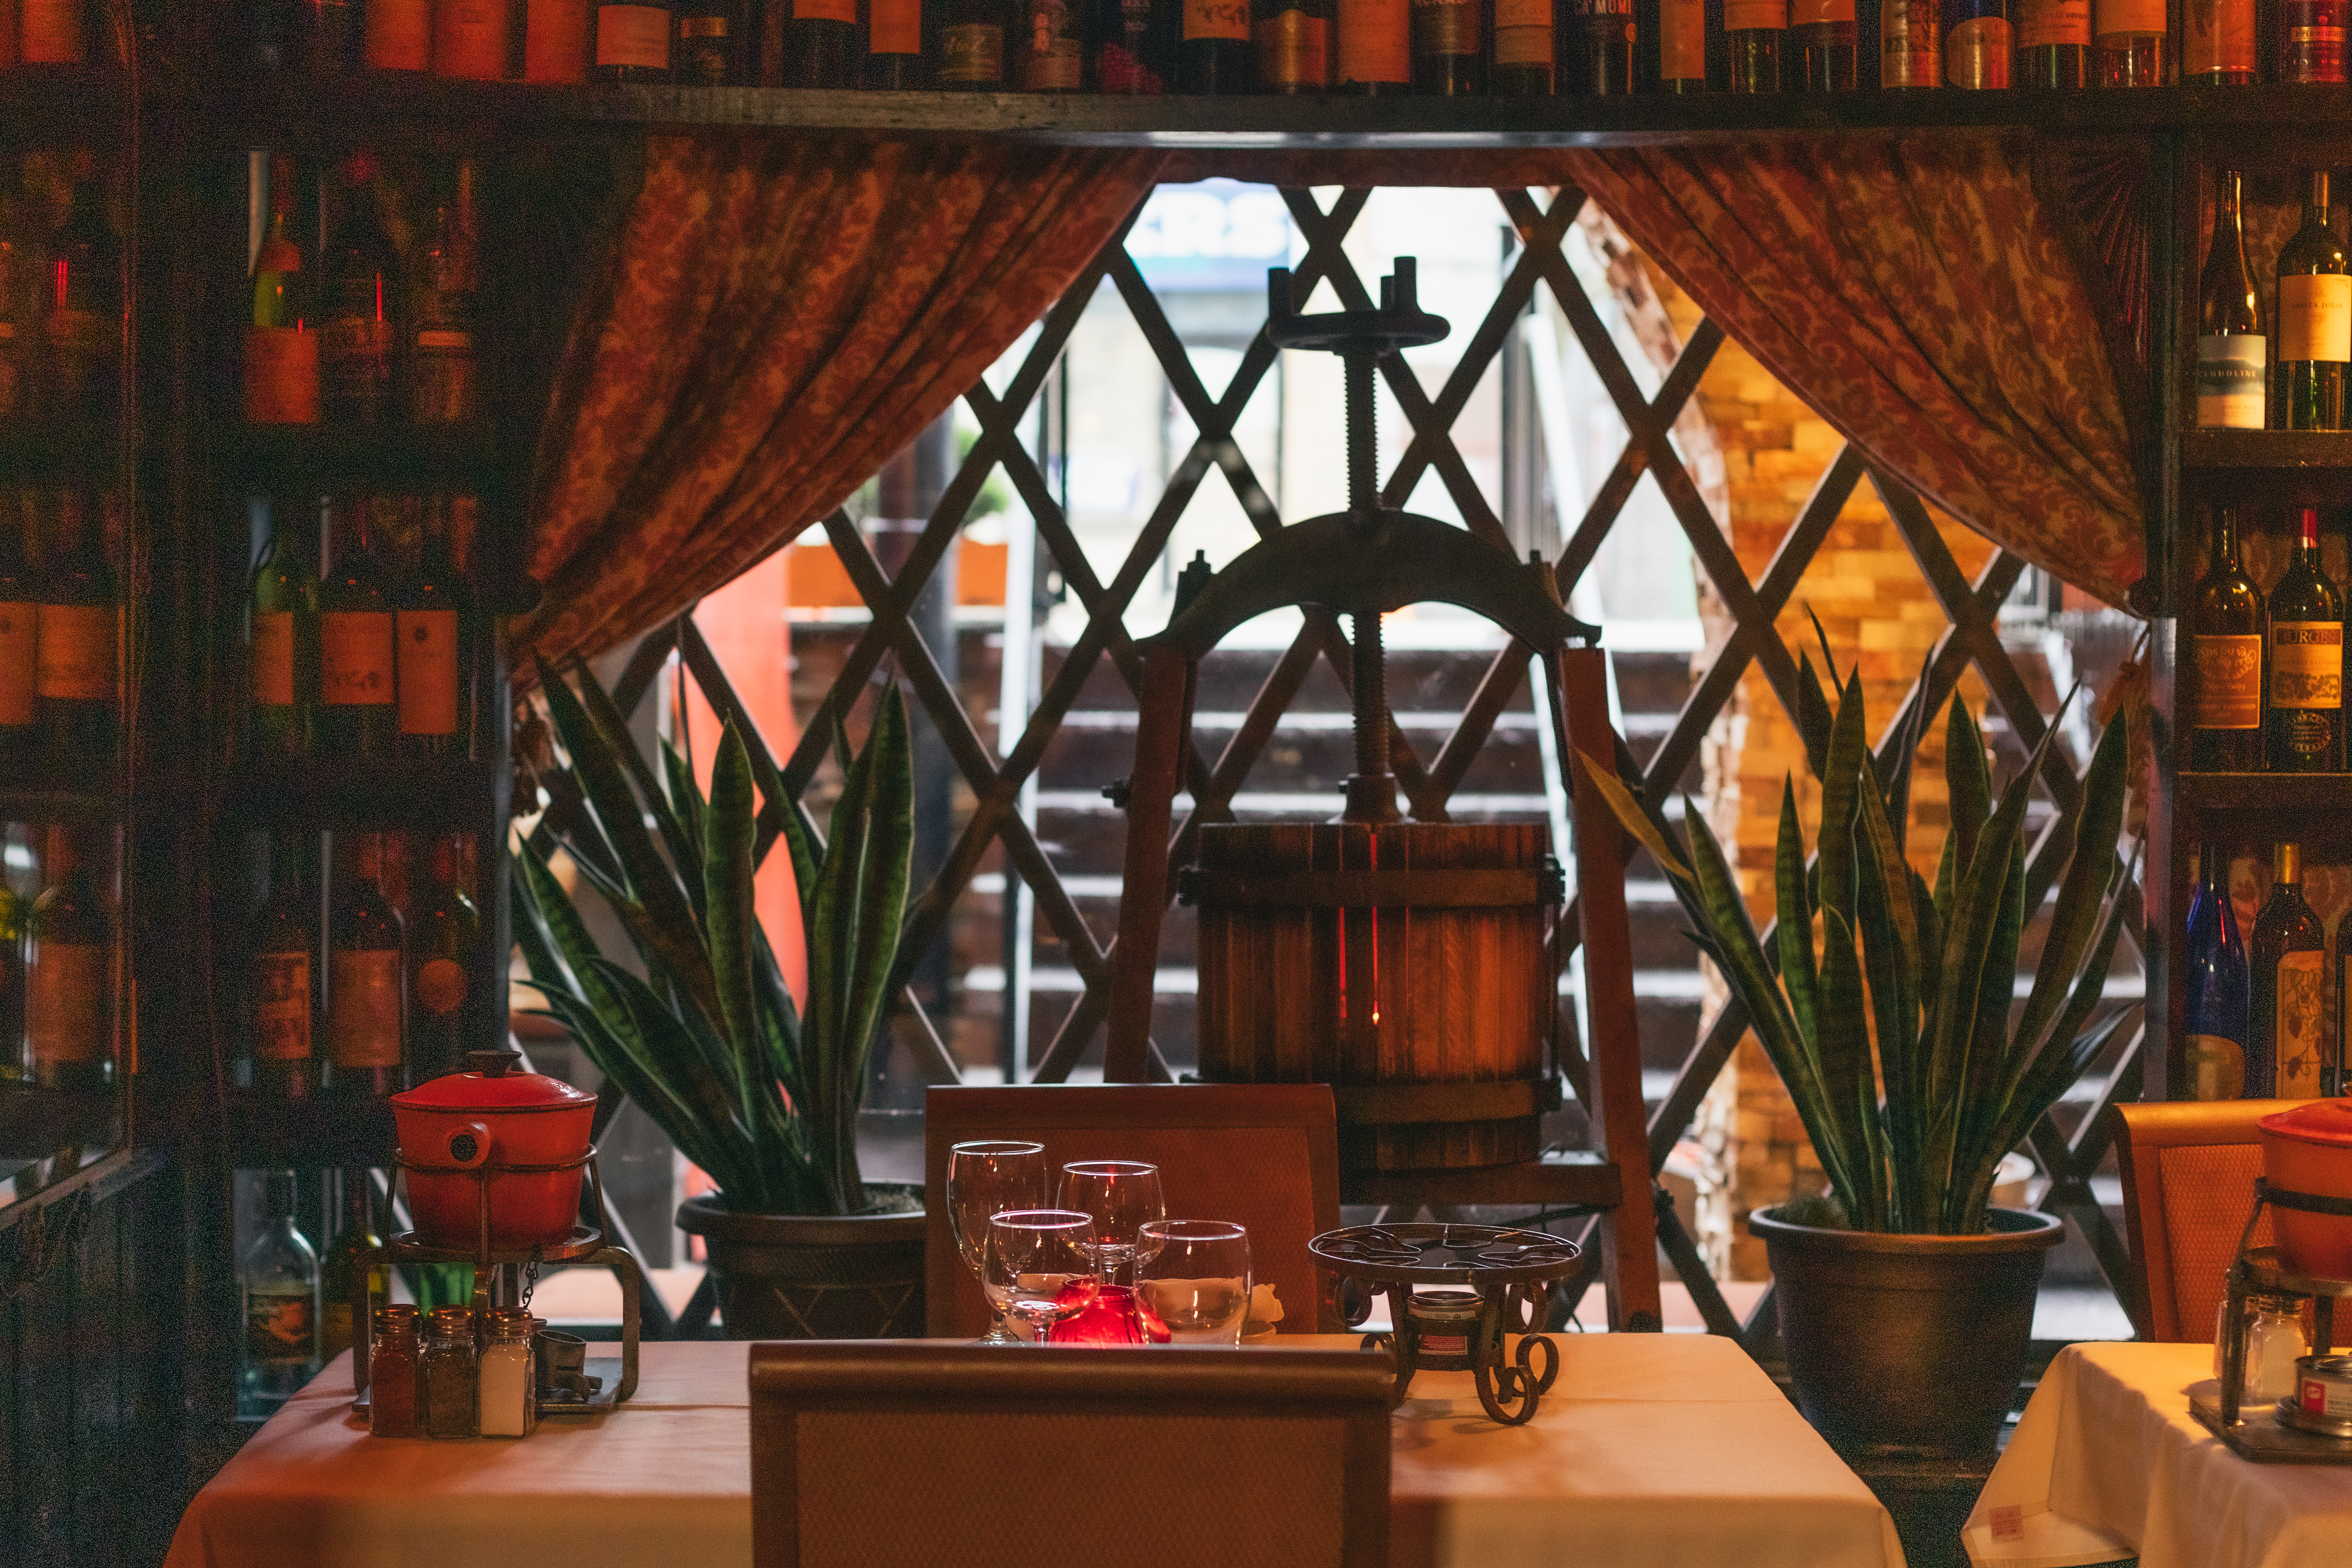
(869, 1452)
(1264, 1156)
(2188, 1170)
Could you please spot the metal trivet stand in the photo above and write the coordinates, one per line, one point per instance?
(505, 1277)
(2269, 1436)
(1501, 1279)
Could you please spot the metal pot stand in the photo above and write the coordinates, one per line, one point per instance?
(2268, 1436)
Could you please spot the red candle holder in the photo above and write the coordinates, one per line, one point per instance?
(1111, 1319)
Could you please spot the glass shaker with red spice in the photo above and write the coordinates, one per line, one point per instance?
(393, 1374)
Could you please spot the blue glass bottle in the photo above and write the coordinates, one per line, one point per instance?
(2211, 1061)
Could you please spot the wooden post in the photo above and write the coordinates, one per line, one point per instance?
(1163, 734)
(1629, 1233)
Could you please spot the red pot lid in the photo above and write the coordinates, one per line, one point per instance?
(492, 1084)
(2327, 1121)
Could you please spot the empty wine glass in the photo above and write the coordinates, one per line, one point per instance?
(1122, 1196)
(1192, 1281)
(985, 1178)
(1040, 1267)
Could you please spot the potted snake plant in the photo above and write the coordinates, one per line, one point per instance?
(1906, 1299)
(704, 1034)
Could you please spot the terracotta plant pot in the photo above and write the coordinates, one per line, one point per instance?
(794, 1277)
(1907, 1344)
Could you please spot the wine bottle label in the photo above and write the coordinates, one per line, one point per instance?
(76, 653)
(1293, 50)
(281, 1007)
(441, 986)
(364, 1009)
(1442, 27)
(399, 34)
(1682, 40)
(2218, 36)
(278, 1326)
(632, 35)
(355, 658)
(51, 34)
(2048, 24)
(2296, 1018)
(282, 376)
(2308, 664)
(825, 10)
(2131, 18)
(469, 39)
(2315, 317)
(355, 355)
(895, 27)
(1052, 54)
(1754, 15)
(1977, 52)
(2217, 1067)
(1375, 41)
(1215, 19)
(64, 1002)
(19, 663)
(971, 53)
(273, 658)
(1911, 43)
(2233, 380)
(555, 40)
(428, 671)
(1814, 13)
(2227, 689)
(702, 27)
(2311, 45)
(1523, 33)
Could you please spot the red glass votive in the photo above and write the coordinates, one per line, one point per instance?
(1109, 1320)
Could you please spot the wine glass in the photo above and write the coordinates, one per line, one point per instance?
(985, 1178)
(1039, 1266)
(1121, 1197)
(1192, 1281)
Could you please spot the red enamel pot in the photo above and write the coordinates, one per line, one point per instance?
(2309, 1149)
(470, 1130)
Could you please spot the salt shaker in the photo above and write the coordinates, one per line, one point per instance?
(449, 1374)
(2274, 1330)
(509, 1403)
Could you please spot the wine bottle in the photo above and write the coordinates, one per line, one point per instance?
(1449, 46)
(83, 321)
(1375, 46)
(1049, 54)
(1910, 43)
(399, 35)
(20, 614)
(2211, 1061)
(1977, 43)
(710, 38)
(2286, 959)
(276, 34)
(2303, 731)
(15, 912)
(336, 39)
(1682, 46)
(2227, 629)
(340, 1267)
(2314, 319)
(432, 628)
(70, 968)
(282, 354)
(1526, 50)
(1753, 32)
(16, 285)
(895, 57)
(278, 1280)
(469, 39)
(356, 333)
(357, 715)
(446, 1020)
(1821, 33)
(2131, 40)
(76, 632)
(821, 44)
(366, 976)
(2233, 352)
(2217, 43)
(2311, 40)
(52, 32)
(632, 45)
(284, 979)
(2053, 43)
(1293, 41)
(282, 639)
(444, 359)
(555, 41)
(972, 46)
(1214, 55)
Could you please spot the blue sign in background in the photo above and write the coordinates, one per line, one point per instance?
(1214, 237)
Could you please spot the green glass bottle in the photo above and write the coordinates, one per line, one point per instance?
(433, 628)
(358, 710)
(366, 1032)
(70, 968)
(2314, 319)
(80, 620)
(339, 1265)
(2304, 723)
(2288, 956)
(282, 641)
(445, 1012)
(20, 615)
(284, 977)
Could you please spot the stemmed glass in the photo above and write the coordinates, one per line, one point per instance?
(1040, 1267)
(985, 1178)
(1192, 1281)
(1121, 1197)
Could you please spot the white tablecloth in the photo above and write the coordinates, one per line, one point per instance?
(2108, 1463)
(1651, 1451)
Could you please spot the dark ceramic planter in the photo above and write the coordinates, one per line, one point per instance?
(1907, 1345)
(791, 1276)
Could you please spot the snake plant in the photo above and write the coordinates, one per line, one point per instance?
(763, 1095)
(1894, 1026)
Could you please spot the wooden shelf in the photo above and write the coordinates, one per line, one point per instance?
(2268, 793)
(2292, 451)
(418, 458)
(39, 791)
(321, 1131)
(37, 1122)
(39, 451)
(63, 105)
(388, 792)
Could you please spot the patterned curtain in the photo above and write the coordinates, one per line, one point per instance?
(780, 317)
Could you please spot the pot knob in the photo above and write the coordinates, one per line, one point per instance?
(468, 1146)
(493, 1064)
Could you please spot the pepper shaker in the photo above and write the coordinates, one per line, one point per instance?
(449, 1374)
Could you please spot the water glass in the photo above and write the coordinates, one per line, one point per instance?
(1040, 1267)
(1192, 1281)
(985, 1178)
(1121, 1197)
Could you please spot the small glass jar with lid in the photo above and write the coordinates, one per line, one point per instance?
(2274, 1338)
(449, 1373)
(394, 1373)
(509, 1401)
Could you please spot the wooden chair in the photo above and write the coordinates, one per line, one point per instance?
(2188, 1170)
(911, 1452)
(1264, 1156)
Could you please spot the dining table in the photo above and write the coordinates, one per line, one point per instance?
(1650, 1451)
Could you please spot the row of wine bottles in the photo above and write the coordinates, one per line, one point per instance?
(2237, 387)
(60, 629)
(2265, 676)
(2256, 1021)
(390, 997)
(58, 955)
(297, 1296)
(341, 331)
(373, 657)
(60, 290)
